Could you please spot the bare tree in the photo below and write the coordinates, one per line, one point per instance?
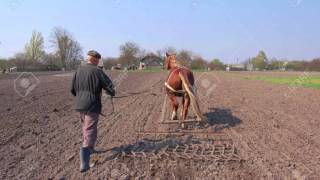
(20, 61)
(185, 57)
(160, 53)
(34, 49)
(67, 48)
(129, 53)
(74, 54)
(142, 53)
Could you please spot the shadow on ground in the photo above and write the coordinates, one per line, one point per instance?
(219, 119)
(222, 116)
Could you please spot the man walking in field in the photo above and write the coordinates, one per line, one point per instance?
(87, 85)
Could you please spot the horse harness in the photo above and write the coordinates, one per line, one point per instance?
(171, 88)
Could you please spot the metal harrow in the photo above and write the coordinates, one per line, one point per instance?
(202, 152)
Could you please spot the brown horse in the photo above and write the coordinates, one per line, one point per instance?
(180, 83)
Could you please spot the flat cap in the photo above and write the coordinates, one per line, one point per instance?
(94, 54)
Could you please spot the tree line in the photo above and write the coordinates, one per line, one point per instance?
(68, 55)
(262, 62)
(131, 54)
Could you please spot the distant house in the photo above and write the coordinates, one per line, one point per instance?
(284, 66)
(249, 67)
(236, 67)
(150, 60)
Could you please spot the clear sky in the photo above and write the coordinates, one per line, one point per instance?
(225, 29)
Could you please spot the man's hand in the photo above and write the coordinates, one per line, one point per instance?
(112, 92)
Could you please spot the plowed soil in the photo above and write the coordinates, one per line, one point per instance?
(275, 129)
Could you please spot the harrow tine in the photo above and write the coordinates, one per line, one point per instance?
(203, 151)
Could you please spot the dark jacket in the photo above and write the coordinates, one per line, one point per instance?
(87, 84)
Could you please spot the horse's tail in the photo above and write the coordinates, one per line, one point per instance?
(193, 97)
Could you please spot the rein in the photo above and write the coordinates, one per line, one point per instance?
(112, 106)
(124, 96)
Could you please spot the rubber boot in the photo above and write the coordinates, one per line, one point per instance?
(84, 159)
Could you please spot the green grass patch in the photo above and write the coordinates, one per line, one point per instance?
(303, 80)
